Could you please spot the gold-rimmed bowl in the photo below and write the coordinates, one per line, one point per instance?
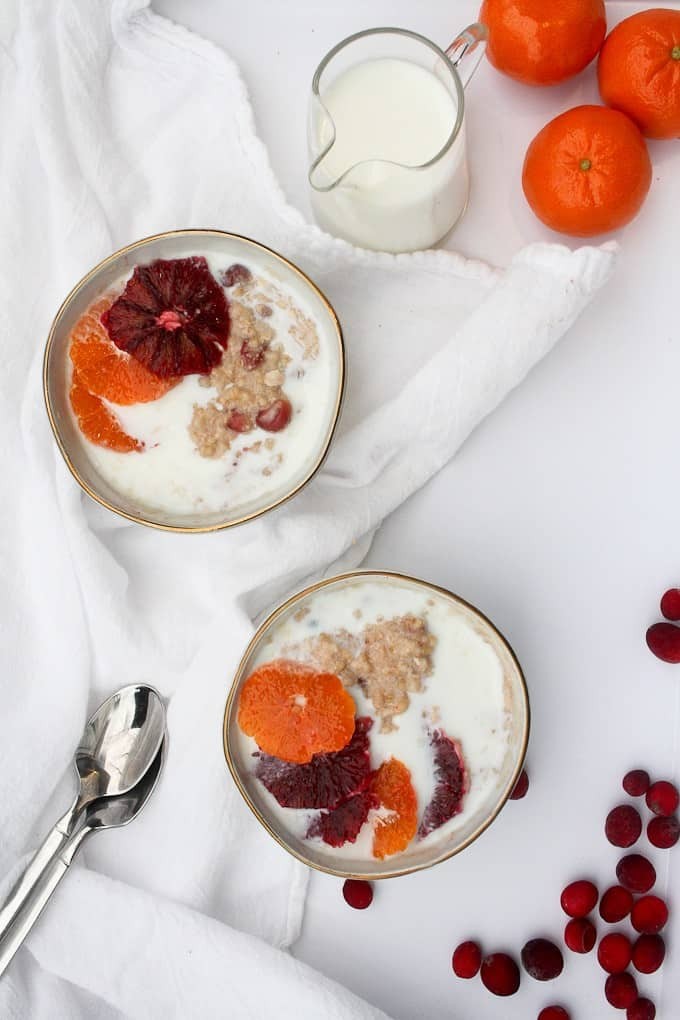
(238, 749)
(56, 371)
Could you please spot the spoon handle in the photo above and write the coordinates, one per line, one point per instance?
(34, 899)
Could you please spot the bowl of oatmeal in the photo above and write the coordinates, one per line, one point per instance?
(376, 724)
(193, 380)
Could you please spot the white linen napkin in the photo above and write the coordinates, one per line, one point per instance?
(118, 124)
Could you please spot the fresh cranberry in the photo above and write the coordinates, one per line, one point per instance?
(614, 953)
(642, 1009)
(251, 356)
(500, 974)
(649, 915)
(467, 959)
(521, 786)
(636, 873)
(663, 832)
(670, 604)
(580, 935)
(542, 959)
(554, 1013)
(236, 273)
(239, 422)
(616, 903)
(357, 893)
(648, 953)
(276, 416)
(579, 898)
(663, 639)
(620, 990)
(663, 798)
(623, 825)
(636, 782)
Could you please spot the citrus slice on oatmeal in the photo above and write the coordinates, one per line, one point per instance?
(294, 712)
(393, 787)
(97, 422)
(105, 370)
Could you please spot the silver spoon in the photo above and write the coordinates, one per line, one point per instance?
(117, 747)
(107, 813)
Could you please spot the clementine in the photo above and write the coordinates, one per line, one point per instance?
(639, 71)
(587, 171)
(543, 42)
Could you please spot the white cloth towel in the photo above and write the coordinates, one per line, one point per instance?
(117, 124)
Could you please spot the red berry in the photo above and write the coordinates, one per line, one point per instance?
(663, 798)
(670, 604)
(620, 990)
(663, 832)
(616, 903)
(663, 639)
(580, 935)
(251, 355)
(579, 898)
(614, 952)
(521, 786)
(500, 974)
(357, 893)
(467, 959)
(636, 873)
(276, 416)
(236, 273)
(554, 1013)
(636, 783)
(648, 953)
(642, 1009)
(239, 422)
(542, 959)
(623, 825)
(649, 915)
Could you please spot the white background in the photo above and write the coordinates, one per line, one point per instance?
(559, 518)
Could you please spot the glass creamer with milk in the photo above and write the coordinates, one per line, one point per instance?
(387, 137)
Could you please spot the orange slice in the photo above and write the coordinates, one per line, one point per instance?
(104, 370)
(293, 712)
(97, 423)
(393, 787)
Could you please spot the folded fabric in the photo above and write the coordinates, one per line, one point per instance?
(118, 124)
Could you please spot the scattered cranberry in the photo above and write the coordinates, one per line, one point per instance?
(648, 953)
(616, 903)
(542, 959)
(649, 915)
(636, 783)
(239, 422)
(663, 832)
(663, 798)
(580, 935)
(663, 639)
(276, 416)
(614, 953)
(251, 356)
(579, 898)
(265, 311)
(642, 1009)
(521, 786)
(620, 990)
(670, 604)
(636, 873)
(235, 274)
(623, 825)
(357, 893)
(554, 1013)
(467, 959)
(500, 974)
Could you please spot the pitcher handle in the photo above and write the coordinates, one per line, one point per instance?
(467, 49)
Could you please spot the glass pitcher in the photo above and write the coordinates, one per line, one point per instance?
(362, 187)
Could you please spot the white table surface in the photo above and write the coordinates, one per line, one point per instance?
(560, 518)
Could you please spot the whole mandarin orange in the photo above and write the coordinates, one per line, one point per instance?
(543, 42)
(587, 171)
(639, 71)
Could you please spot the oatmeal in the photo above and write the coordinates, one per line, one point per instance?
(431, 732)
